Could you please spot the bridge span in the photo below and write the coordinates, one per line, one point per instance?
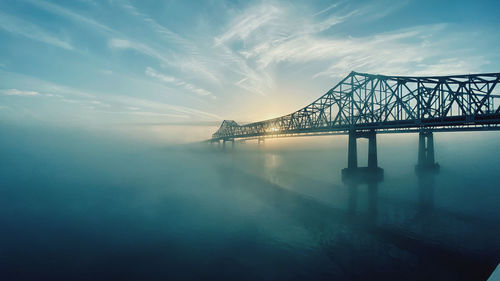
(362, 105)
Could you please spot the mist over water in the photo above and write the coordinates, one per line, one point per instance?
(80, 206)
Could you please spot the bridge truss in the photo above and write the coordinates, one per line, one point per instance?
(387, 104)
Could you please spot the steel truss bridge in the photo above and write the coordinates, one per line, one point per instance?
(387, 104)
(362, 105)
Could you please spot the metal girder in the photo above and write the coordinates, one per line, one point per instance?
(390, 104)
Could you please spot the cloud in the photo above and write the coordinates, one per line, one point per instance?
(26, 29)
(148, 113)
(106, 71)
(132, 108)
(156, 106)
(332, 6)
(420, 50)
(119, 43)
(286, 37)
(119, 40)
(183, 53)
(16, 92)
(185, 63)
(177, 82)
(267, 39)
(74, 17)
(251, 20)
(269, 34)
(161, 30)
(123, 44)
(103, 100)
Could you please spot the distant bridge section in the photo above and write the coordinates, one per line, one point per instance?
(387, 104)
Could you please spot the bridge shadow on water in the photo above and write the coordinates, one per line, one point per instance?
(361, 243)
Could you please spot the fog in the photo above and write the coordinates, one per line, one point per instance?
(125, 205)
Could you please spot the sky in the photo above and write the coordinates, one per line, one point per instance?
(155, 68)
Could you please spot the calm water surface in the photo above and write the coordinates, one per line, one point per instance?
(75, 207)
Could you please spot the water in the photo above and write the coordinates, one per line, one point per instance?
(81, 207)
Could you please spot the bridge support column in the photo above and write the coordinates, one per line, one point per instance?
(224, 144)
(430, 149)
(215, 144)
(259, 141)
(421, 149)
(352, 151)
(426, 159)
(372, 150)
(363, 174)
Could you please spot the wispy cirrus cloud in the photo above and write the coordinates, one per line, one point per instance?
(17, 92)
(158, 106)
(188, 61)
(118, 43)
(266, 32)
(332, 6)
(161, 30)
(26, 29)
(251, 20)
(183, 54)
(103, 101)
(270, 36)
(151, 72)
(420, 50)
(183, 63)
(148, 113)
(73, 16)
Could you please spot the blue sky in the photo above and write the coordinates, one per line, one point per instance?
(112, 64)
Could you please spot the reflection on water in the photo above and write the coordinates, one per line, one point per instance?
(426, 182)
(83, 210)
(271, 161)
(371, 191)
(356, 237)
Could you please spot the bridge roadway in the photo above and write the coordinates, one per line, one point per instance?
(362, 105)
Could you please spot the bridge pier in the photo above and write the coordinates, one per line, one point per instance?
(212, 143)
(372, 151)
(353, 172)
(259, 141)
(224, 144)
(426, 159)
(352, 151)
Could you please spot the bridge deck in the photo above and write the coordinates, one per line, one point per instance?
(388, 104)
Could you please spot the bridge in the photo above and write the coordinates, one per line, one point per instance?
(362, 105)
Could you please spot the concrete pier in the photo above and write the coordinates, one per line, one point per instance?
(260, 141)
(426, 159)
(224, 144)
(362, 174)
(352, 151)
